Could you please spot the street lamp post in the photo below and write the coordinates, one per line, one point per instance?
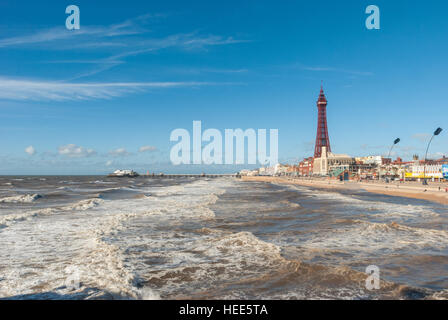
(395, 142)
(388, 155)
(436, 133)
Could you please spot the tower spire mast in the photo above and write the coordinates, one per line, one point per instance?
(322, 138)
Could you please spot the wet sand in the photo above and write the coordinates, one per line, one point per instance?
(414, 191)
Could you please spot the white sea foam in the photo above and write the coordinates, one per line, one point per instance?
(386, 211)
(24, 198)
(102, 182)
(7, 220)
(84, 204)
(364, 238)
(166, 245)
(83, 242)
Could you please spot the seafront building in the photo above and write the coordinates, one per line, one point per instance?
(329, 161)
(325, 163)
(377, 160)
(305, 167)
(435, 170)
(429, 171)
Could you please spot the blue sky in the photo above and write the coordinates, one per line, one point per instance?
(87, 100)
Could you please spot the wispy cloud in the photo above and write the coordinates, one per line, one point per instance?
(74, 151)
(422, 137)
(436, 155)
(372, 147)
(197, 71)
(117, 41)
(39, 37)
(86, 33)
(337, 70)
(188, 42)
(120, 152)
(192, 41)
(57, 34)
(147, 148)
(36, 90)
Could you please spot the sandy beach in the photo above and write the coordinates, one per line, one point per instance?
(408, 190)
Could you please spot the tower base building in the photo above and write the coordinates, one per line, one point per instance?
(327, 160)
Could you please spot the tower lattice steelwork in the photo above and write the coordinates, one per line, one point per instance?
(322, 139)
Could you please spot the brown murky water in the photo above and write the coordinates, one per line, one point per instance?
(96, 237)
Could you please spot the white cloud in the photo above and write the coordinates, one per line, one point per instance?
(109, 163)
(189, 41)
(436, 155)
(116, 41)
(147, 148)
(422, 137)
(337, 70)
(74, 151)
(120, 152)
(128, 27)
(113, 38)
(30, 150)
(38, 90)
(38, 37)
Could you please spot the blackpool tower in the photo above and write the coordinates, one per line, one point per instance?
(322, 139)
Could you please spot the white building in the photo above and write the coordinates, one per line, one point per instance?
(253, 173)
(418, 171)
(280, 169)
(321, 166)
(378, 160)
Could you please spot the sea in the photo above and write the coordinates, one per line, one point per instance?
(96, 237)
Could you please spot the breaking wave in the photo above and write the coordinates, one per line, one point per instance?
(82, 205)
(25, 198)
